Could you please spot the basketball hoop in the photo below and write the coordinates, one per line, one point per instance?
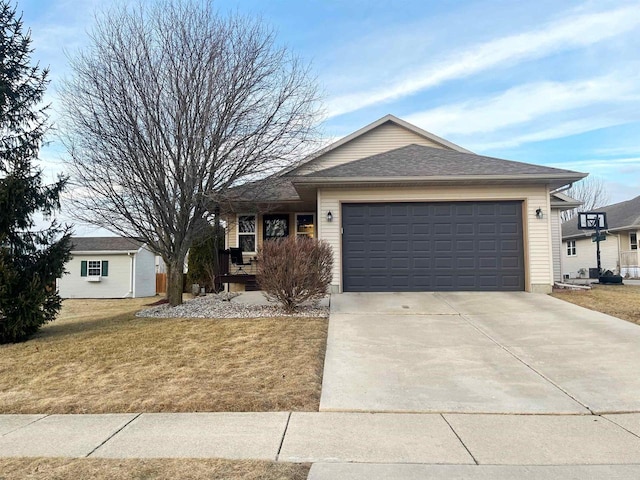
(594, 221)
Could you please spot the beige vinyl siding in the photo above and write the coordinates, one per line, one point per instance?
(537, 232)
(556, 244)
(387, 136)
(586, 255)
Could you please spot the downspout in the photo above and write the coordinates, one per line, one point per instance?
(130, 294)
(619, 256)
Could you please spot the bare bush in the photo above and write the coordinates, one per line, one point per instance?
(294, 270)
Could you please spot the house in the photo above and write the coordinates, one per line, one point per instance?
(108, 267)
(618, 245)
(405, 210)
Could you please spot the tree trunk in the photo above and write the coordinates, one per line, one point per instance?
(175, 281)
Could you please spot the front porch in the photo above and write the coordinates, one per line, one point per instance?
(234, 279)
(248, 231)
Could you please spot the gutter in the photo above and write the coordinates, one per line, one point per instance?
(609, 231)
(102, 252)
(562, 189)
(320, 181)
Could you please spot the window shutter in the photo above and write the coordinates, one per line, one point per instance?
(105, 268)
(83, 268)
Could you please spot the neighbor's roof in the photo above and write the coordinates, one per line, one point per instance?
(422, 162)
(105, 244)
(620, 216)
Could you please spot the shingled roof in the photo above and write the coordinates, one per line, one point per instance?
(271, 189)
(411, 163)
(620, 216)
(422, 161)
(105, 244)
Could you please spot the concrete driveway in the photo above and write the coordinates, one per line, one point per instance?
(477, 353)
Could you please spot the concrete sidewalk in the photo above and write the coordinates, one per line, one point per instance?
(334, 437)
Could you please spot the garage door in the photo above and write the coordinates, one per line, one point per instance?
(454, 246)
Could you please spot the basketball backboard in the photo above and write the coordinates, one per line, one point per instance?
(592, 221)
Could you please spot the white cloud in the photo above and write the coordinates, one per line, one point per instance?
(571, 32)
(617, 165)
(558, 130)
(526, 103)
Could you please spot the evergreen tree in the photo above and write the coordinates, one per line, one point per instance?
(30, 259)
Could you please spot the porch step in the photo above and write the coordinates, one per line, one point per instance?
(251, 285)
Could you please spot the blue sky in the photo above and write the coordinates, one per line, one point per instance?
(549, 82)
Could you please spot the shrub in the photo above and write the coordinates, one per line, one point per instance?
(294, 270)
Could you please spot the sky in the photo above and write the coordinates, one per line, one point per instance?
(555, 83)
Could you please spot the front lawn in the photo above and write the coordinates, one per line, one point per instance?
(622, 301)
(99, 358)
(157, 469)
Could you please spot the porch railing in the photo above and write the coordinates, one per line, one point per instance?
(629, 258)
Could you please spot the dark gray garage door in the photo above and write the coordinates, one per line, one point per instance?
(454, 246)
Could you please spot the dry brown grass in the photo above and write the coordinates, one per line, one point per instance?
(169, 469)
(99, 358)
(622, 301)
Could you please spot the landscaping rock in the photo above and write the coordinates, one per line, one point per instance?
(218, 306)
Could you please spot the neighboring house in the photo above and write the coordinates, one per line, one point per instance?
(108, 267)
(619, 250)
(405, 210)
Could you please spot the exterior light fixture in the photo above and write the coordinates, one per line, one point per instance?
(539, 214)
(329, 217)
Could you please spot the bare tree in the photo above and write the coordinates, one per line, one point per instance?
(169, 106)
(591, 191)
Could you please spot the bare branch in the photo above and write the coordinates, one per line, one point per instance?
(593, 194)
(170, 106)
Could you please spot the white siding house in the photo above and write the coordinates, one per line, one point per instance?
(618, 253)
(108, 267)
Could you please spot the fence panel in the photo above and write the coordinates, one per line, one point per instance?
(161, 282)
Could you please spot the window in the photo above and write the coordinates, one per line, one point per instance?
(633, 241)
(305, 225)
(571, 248)
(94, 268)
(247, 233)
(275, 226)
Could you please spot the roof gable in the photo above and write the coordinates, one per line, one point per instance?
(385, 134)
(620, 216)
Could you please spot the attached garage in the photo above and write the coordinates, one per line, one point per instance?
(405, 210)
(433, 246)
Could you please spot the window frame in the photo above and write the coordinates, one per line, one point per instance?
(305, 234)
(571, 248)
(94, 268)
(102, 268)
(633, 245)
(255, 231)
